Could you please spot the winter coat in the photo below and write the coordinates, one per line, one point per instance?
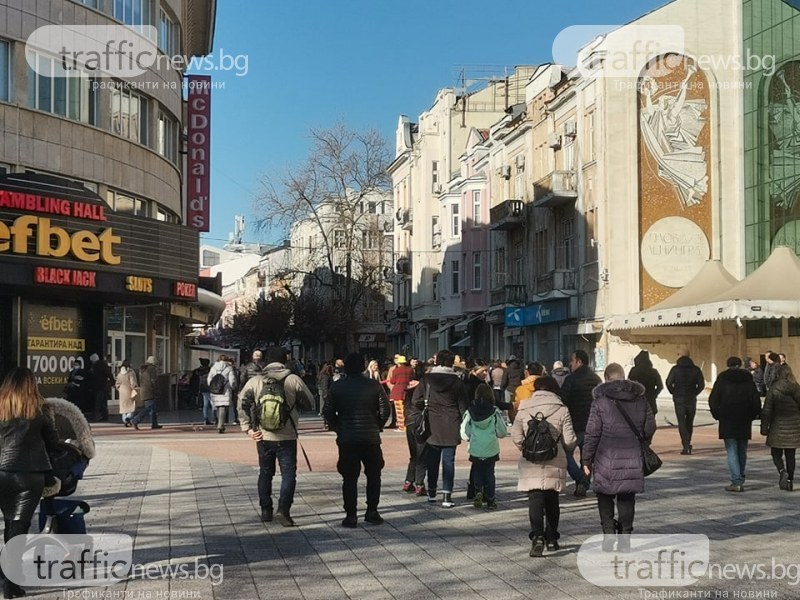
(610, 449)
(523, 392)
(126, 384)
(770, 374)
(644, 373)
(496, 375)
(356, 409)
(297, 396)
(228, 372)
(513, 376)
(447, 403)
(250, 370)
(780, 417)
(685, 381)
(324, 385)
(147, 382)
(398, 381)
(576, 393)
(24, 444)
(551, 474)
(560, 374)
(758, 379)
(735, 403)
(483, 426)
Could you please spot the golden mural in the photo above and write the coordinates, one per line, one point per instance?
(674, 175)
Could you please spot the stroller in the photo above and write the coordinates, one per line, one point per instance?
(75, 449)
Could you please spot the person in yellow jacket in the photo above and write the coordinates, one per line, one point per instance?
(533, 370)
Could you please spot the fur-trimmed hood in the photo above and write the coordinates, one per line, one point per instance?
(71, 424)
(619, 389)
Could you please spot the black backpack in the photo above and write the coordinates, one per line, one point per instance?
(539, 444)
(217, 384)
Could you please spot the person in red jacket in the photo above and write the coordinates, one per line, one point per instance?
(401, 376)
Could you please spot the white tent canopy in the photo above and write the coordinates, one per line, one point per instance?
(770, 292)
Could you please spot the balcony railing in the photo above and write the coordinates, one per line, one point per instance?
(507, 215)
(509, 294)
(555, 189)
(560, 279)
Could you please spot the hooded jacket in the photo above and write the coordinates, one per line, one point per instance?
(685, 381)
(250, 370)
(148, 374)
(512, 376)
(357, 408)
(297, 396)
(482, 427)
(610, 448)
(576, 392)
(780, 417)
(735, 403)
(227, 371)
(560, 374)
(552, 474)
(447, 403)
(644, 373)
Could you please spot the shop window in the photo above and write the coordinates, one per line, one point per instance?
(135, 320)
(68, 93)
(763, 328)
(794, 327)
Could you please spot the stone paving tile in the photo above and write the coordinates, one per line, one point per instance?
(182, 508)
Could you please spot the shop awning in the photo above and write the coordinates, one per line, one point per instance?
(465, 343)
(770, 292)
(444, 327)
(461, 326)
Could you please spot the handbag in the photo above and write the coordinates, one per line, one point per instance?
(652, 462)
(422, 428)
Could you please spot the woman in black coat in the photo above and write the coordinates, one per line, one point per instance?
(780, 422)
(27, 433)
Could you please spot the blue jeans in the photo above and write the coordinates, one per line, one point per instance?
(142, 413)
(573, 468)
(447, 456)
(737, 459)
(285, 452)
(208, 410)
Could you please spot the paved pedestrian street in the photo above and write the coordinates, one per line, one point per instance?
(188, 496)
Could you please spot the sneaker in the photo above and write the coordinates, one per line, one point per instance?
(373, 516)
(553, 546)
(266, 515)
(491, 504)
(156, 426)
(431, 498)
(789, 486)
(284, 519)
(580, 490)
(784, 479)
(447, 500)
(419, 490)
(135, 425)
(537, 546)
(734, 487)
(687, 450)
(609, 540)
(127, 422)
(208, 422)
(350, 521)
(408, 486)
(477, 501)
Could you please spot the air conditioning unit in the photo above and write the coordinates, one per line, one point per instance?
(554, 141)
(520, 162)
(437, 188)
(571, 129)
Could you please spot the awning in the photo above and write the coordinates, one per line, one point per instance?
(461, 326)
(465, 343)
(444, 327)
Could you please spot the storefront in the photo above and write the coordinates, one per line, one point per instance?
(78, 278)
(536, 330)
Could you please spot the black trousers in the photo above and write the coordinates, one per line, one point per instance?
(351, 457)
(417, 466)
(685, 412)
(626, 505)
(19, 496)
(544, 504)
(777, 458)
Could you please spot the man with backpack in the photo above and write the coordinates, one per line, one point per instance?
(269, 413)
(357, 408)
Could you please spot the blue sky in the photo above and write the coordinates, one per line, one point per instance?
(313, 62)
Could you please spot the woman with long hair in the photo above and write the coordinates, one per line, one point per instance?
(26, 433)
(780, 422)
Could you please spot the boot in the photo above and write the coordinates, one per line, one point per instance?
(447, 500)
(537, 546)
(783, 480)
(609, 539)
(789, 486)
(350, 521)
(12, 590)
(624, 542)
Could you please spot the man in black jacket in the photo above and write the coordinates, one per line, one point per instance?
(735, 403)
(576, 393)
(685, 381)
(644, 372)
(357, 408)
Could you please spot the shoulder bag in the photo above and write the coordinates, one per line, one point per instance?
(422, 428)
(651, 462)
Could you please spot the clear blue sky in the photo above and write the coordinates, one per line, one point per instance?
(313, 62)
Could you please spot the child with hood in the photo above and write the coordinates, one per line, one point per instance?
(482, 427)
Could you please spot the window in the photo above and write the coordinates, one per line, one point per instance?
(92, 3)
(456, 220)
(126, 204)
(519, 179)
(763, 328)
(568, 240)
(339, 239)
(167, 137)
(210, 258)
(476, 207)
(69, 93)
(436, 232)
(435, 176)
(129, 115)
(435, 287)
(454, 277)
(5, 72)
(136, 13)
(168, 41)
(590, 133)
(4, 169)
(477, 273)
(162, 215)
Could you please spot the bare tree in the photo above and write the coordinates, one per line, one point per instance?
(334, 206)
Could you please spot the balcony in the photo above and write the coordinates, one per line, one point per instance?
(507, 215)
(508, 294)
(560, 279)
(555, 189)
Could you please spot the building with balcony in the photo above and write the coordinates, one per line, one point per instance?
(100, 161)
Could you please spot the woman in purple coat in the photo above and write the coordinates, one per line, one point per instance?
(612, 454)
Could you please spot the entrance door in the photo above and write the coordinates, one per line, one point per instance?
(117, 341)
